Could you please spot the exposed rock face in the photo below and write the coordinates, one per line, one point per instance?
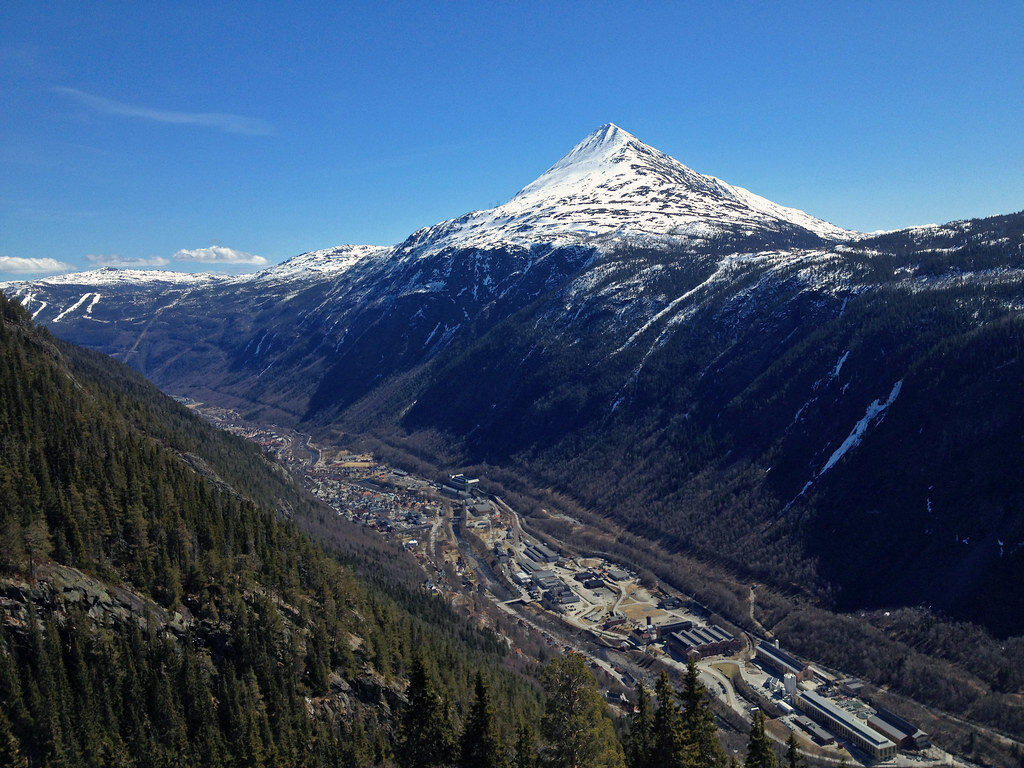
(61, 588)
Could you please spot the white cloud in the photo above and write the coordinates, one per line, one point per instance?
(225, 122)
(24, 266)
(218, 254)
(113, 260)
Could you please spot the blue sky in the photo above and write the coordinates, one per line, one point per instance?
(186, 137)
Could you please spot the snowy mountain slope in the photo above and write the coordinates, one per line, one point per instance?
(611, 186)
(331, 262)
(111, 276)
(667, 349)
(762, 409)
(609, 189)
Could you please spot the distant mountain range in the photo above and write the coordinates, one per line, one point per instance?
(833, 413)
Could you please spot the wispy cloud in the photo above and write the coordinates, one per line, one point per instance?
(218, 254)
(113, 260)
(22, 266)
(225, 122)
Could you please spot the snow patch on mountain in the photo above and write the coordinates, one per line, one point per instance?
(839, 365)
(874, 413)
(833, 374)
(677, 317)
(92, 304)
(27, 299)
(73, 307)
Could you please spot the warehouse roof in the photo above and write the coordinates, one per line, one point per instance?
(854, 723)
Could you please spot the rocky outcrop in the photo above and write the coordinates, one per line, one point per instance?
(61, 588)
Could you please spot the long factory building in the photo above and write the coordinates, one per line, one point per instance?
(781, 662)
(846, 724)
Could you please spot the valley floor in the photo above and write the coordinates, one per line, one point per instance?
(473, 545)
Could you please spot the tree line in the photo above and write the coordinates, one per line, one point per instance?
(664, 729)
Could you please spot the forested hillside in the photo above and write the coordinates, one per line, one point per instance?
(158, 610)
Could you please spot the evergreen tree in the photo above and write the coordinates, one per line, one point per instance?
(10, 750)
(793, 759)
(37, 543)
(481, 745)
(526, 746)
(576, 723)
(640, 748)
(427, 738)
(10, 683)
(759, 748)
(12, 542)
(669, 744)
(701, 732)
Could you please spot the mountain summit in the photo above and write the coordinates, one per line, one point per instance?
(612, 185)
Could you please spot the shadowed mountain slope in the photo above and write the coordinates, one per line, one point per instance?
(733, 378)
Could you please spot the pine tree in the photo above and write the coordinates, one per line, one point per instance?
(37, 543)
(481, 745)
(10, 683)
(12, 541)
(701, 732)
(640, 749)
(576, 723)
(793, 759)
(427, 738)
(526, 747)
(759, 748)
(10, 750)
(669, 744)
(317, 658)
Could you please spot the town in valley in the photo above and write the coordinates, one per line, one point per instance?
(629, 627)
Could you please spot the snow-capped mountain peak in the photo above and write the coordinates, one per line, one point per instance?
(328, 261)
(611, 185)
(599, 152)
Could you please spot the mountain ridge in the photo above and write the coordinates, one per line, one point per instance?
(710, 377)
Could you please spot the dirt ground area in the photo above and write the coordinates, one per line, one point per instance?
(640, 611)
